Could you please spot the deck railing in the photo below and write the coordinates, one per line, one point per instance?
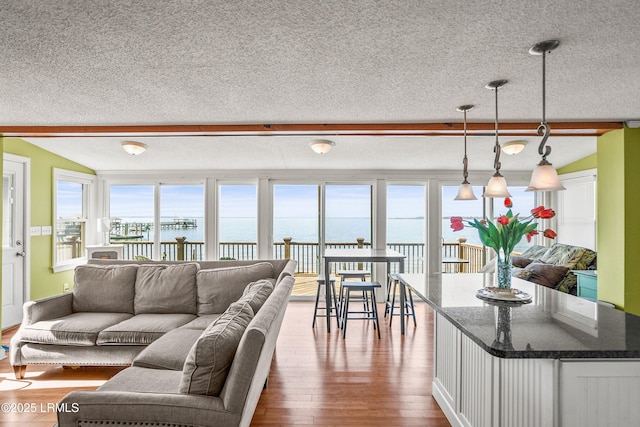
(475, 254)
(307, 253)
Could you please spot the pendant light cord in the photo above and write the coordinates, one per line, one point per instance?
(496, 163)
(465, 162)
(544, 130)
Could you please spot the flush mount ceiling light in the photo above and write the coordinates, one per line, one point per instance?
(465, 192)
(497, 186)
(133, 147)
(321, 146)
(544, 176)
(513, 147)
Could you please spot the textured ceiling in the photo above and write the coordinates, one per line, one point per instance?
(106, 62)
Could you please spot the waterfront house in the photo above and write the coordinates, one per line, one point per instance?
(224, 94)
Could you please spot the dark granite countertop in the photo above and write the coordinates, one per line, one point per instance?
(554, 325)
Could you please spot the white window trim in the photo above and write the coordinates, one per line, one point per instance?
(88, 183)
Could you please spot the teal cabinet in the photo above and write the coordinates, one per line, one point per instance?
(587, 284)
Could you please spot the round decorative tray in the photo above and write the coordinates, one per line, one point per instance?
(514, 296)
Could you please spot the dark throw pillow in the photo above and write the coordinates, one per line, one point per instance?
(520, 261)
(545, 274)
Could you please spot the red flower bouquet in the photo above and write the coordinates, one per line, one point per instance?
(506, 233)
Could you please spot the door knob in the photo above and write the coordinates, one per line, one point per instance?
(21, 253)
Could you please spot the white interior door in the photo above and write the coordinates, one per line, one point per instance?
(13, 247)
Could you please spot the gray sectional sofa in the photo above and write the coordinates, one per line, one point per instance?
(199, 338)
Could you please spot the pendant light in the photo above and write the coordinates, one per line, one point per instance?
(544, 176)
(465, 192)
(497, 186)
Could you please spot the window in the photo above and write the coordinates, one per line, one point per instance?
(71, 211)
(238, 221)
(296, 226)
(347, 215)
(405, 224)
(131, 209)
(182, 222)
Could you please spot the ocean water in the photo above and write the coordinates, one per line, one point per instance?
(405, 230)
(399, 230)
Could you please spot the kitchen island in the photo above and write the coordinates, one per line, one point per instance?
(559, 360)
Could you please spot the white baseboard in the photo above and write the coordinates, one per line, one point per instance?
(446, 408)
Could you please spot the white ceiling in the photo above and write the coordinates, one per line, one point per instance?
(109, 62)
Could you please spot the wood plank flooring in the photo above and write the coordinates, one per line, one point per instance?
(316, 378)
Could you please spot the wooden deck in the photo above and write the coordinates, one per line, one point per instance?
(316, 378)
(307, 285)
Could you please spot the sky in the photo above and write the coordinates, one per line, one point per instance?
(293, 201)
(240, 201)
(69, 200)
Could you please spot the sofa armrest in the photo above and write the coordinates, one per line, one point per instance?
(47, 308)
(148, 409)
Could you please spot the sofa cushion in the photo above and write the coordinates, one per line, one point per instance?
(544, 274)
(587, 259)
(256, 293)
(534, 252)
(209, 360)
(169, 351)
(218, 288)
(563, 254)
(143, 380)
(568, 283)
(75, 329)
(520, 261)
(104, 288)
(201, 322)
(166, 288)
(142, 329)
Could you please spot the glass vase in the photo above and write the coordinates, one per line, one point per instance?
(503, 270)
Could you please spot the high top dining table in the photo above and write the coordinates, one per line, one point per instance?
(359, 255)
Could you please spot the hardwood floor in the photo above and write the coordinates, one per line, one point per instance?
(316, 378)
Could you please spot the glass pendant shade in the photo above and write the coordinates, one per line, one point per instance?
(465, 192)
(497, 187)
(544, 178)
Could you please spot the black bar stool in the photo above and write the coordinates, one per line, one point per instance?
(391, 300)
(369, 312)
(353, 274)
(330, 310)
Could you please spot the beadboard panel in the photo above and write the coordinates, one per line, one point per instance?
(476, 385)
(603, 393)
(474, 388)
(527, 392)
(447, 343)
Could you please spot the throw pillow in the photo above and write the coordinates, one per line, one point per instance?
(562, 254)
(208, 363)
(104, 288)
(256, 293)
(545, 274)
(586, 260)
(534, 252)
(520, 261)
(166, 288)
(219, 287)
(568, 284)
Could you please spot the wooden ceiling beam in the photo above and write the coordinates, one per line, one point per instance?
(293, 129)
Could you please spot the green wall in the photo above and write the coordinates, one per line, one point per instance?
(586, 163)
(617, 210)
(43, 281)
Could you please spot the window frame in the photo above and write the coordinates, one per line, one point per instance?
(87, 181)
